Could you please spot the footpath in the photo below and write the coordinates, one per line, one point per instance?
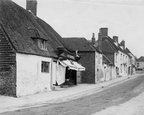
(57, 96)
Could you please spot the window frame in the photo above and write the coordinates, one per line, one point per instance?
(42, 44)
(45, 67)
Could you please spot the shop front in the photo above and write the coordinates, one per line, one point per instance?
(65, 70)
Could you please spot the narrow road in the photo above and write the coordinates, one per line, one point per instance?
(91, 104)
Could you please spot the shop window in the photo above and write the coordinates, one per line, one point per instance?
(45, 66)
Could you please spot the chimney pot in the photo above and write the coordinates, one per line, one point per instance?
(93, 38)
(93, 35)
(115, 38)
(122, 43)
(32, 6)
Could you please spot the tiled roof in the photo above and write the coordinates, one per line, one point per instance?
(107, 47)
(15, 21)
(105, 58)
(129, 52)
(141, 58)
(113, 44)
(77, 43)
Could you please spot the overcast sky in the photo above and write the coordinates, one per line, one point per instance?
(81, 18)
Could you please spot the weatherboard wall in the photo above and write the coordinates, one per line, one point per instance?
(7, 66)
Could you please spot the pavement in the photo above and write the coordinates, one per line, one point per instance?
(58, 95)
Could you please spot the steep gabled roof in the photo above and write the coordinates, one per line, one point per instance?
(141, 58)
(107, 47)
(113, 44)
(77, 43)
(15, 21)
(129, 52)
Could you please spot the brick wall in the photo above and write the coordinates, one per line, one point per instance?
(88, 61)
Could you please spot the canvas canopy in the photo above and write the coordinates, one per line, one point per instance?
(72, 65)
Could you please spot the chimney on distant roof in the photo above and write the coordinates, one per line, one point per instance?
(122, 43)
(32, 6)
(100, 41)
(93, 38)
(115, 38)
(103, 31)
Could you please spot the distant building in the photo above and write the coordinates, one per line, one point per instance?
(114, 51)
(140, 64)
(91, 58)
(132, 62)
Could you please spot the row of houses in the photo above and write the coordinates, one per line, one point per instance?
(104, 59)
(34, 58)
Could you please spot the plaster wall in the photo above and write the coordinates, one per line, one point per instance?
(99, 68)
(122, 63)
(30, 79)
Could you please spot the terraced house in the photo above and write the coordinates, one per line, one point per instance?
(114, 51)
(32, 56)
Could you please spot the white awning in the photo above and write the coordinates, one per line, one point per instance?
(72, 65)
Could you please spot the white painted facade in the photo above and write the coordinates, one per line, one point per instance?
(29, 78)
(103, 72)
(98, 67)
(121, 62)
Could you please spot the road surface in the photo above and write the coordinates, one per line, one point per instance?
(91, 104)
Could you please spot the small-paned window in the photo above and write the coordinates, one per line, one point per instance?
(45, 66)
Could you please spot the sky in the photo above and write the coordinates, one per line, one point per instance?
(81, 18)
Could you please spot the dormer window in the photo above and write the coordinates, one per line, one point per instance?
(42, 44)
(39, 39)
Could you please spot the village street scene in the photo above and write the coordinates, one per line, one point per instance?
(71, 57)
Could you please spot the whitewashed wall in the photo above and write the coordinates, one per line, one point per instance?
(98, 67)
(122, 63)
(30, 79)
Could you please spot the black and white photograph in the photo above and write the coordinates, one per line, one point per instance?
(71, 57)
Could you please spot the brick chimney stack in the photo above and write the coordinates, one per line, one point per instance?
(103, 31)
(99, 41)
(32, 6)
